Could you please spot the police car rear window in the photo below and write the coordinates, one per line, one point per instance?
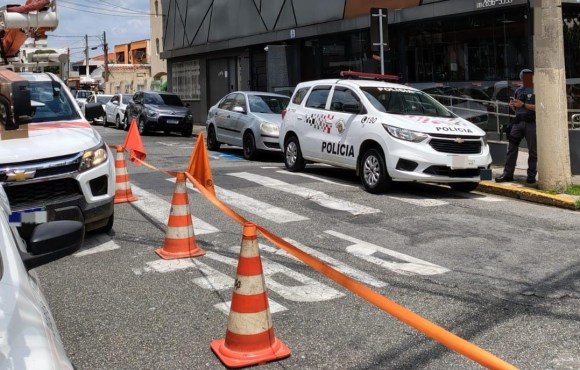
(318, 96)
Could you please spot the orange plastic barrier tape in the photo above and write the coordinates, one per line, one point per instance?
(428, 328)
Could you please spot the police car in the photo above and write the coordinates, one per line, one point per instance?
(28, 335)
(385, 131)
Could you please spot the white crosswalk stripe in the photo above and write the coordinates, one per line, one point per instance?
(315, 196)
(159, 209)
(253, 206)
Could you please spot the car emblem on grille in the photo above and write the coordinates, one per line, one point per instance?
(459, 140)
(19, 175)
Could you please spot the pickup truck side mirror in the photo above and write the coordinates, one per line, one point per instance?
(93, 110)
(52, 241)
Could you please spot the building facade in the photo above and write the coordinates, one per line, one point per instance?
(213, 47)
(158, 65)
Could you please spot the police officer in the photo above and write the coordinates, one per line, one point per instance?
(524, 126)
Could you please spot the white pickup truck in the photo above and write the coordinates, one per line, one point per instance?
(54, 166)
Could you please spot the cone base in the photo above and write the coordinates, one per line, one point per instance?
(236, 359)
(124, 199)
(167, 255)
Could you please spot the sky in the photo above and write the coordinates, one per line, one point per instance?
(122, 21)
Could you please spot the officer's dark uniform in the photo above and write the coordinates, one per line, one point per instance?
(524, 126)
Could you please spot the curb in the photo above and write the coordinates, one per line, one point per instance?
(529, 194)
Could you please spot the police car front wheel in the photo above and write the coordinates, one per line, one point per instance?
(293, 155)
(373, 172)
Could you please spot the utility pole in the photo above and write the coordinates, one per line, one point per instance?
(87, 57)
(554, 171)
(106, 51)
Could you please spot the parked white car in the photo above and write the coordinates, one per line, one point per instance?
(386, 132)
(29, 338)
(249, 119)
(115, 111)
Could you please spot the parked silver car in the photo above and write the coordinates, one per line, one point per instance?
(249, 119)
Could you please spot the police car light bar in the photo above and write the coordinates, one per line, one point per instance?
(372, 76)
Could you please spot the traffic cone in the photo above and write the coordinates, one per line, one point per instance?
(250, 338)
(123, 191)
(179, 238)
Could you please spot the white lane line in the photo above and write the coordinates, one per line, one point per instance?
(315, 178)
(317, 197)
(270, 167)
(253, 206)
(421, 202)
(159, 209)
(97, 244)
(366, 251)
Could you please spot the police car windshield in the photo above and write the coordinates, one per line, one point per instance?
(404, 101)
(51, 103)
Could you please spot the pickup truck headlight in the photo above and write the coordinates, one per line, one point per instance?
(93, 157)
(189, 117)
(404, 134)
(269, 128)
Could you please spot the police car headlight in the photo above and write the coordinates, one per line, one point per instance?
(484, 139)
(93, 157)
(269, 128)
(404, 134)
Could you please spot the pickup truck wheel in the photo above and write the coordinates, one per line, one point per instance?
(142, 126)
(212, 142)
(293, 155)
(249, 146)
(465, 187)
(125, 123)
(105, 123)
(118, 124)
(107, 227)
(373, 172)
(187, 132)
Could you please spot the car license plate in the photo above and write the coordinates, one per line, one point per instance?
(173, 121)
(462, 162)
(28, 216)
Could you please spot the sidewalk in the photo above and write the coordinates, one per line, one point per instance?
(517, 189)
(521, 190)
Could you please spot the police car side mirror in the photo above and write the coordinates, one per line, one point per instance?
(93, 110)
(51, 241)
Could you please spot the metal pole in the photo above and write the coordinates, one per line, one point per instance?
(381, 41)
(106, 50)
(87, 57)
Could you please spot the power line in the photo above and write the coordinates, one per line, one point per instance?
(120, 7)
(109, 14)
(132, 13)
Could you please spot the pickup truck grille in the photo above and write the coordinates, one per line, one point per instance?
(34, 194)
(47, 167)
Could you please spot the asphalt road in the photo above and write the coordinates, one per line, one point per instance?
(501, 273)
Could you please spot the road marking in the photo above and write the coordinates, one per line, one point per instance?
(97, 244)
(366, 250)
(315, 178)
(317, 197)
(338, 265)
(159, 209)
(253, 206)
(422, 202)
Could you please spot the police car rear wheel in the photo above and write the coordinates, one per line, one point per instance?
(249, 146)
(463, 186)
(374, 176)
(293, 156)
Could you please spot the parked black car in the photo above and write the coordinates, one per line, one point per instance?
(159, 111)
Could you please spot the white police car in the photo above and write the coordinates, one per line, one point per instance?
(28, 335)
(385, 131)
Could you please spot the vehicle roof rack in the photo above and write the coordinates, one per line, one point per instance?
(369, 76)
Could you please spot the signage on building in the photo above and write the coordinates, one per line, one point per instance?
(483, 4)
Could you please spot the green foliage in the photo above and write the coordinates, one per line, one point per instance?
(573, 190)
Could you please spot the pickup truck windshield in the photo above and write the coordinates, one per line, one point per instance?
(51, 103)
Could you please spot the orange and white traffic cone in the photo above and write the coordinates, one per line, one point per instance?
(179, 238)
(123, 191)
(250, 338)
